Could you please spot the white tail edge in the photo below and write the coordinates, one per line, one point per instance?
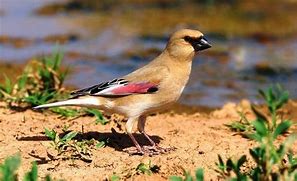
(83, 102)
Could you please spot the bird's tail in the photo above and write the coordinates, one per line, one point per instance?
(83, 102)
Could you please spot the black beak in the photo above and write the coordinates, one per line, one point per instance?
(201, 44)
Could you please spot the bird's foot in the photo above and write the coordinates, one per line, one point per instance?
(156, 149)
(149, 150)
(134, 151)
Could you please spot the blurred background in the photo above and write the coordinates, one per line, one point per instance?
(254, 41)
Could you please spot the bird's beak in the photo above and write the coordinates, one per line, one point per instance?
(201, 44)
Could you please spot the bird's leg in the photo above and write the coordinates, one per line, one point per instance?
(154, 146)
(129, 128)
(138, 147)
(141, 124)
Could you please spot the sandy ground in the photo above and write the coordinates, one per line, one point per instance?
(198, 138)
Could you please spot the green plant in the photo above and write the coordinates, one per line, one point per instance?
(40, 82)
(69, 148)
(66, 113)
(9, 167)
(243, 126)
(98, 115)
(58, 143)
(39, 98)
(11, 164)
(102, 144)
(114, 177)
(275, 98)
(147, 168)
(50, 71)
(226, 169)
(6, 88)
(33, 174)
(272, 162)
(199, 176)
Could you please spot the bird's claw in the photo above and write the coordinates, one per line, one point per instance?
(149, 150)
(134, 151)
(158, 150)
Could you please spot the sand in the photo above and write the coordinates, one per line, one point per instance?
(198, 137)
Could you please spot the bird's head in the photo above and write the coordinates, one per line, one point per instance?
(186, 42)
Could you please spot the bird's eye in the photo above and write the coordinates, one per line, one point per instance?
(187, 38)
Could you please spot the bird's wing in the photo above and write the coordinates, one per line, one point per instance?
(152, 73)
(117, 87)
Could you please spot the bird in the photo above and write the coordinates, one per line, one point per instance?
(146, 90)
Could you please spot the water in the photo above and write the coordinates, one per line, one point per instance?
(234, 73)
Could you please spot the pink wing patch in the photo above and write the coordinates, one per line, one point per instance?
(117, 87)
(135, 88)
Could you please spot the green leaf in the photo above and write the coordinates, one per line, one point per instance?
(256, 174)
(275, 97)
(281, 150)
(175, 178)
(286, 145)
(254, 154)
(40, 98)
(101, 144)
(241, 161)
(32, 175)
(114, 178)
(260, 127)
(58, 56)
(292, 159)
(48, 178)
(8, 85)
(283, 99)
(199, 174)
(264, 94)
(230, 165)
(98, 115)
(144, 168)
(257, 154)
(255, 136)
(51, 134)
(221, 164)
(22, 81)
(9, 167)
(237, 126)
(66, 113)
(69, 136)
(281, 128)
(260, 116)
(271, 94)
(188, 176)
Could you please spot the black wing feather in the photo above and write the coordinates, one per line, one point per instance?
(99, 87)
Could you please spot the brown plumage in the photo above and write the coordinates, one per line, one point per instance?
(150, 88)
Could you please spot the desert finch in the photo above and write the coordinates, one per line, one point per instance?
(148, 89)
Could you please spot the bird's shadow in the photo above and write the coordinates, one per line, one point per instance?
(118, 141)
